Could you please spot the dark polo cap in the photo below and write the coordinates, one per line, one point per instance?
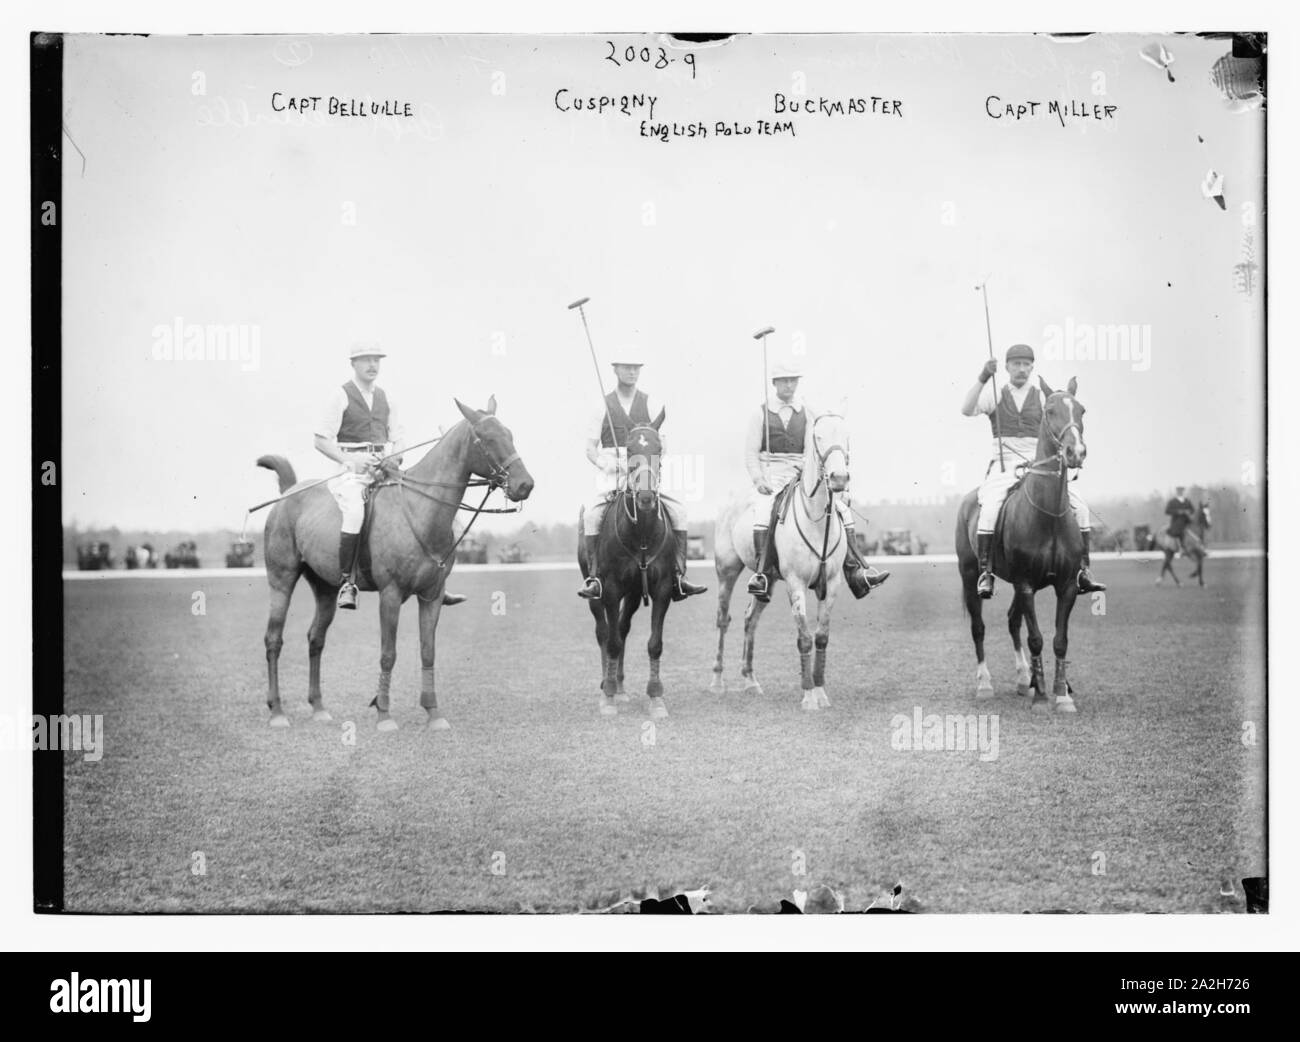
(1020, 351)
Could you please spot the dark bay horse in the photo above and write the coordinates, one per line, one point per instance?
(407, 550)
(635, 558)
(1038, 546)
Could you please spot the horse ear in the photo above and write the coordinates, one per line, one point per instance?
(659, 420)
(492, 406)
(472, 415)
(1072, 385)
(1043, 384)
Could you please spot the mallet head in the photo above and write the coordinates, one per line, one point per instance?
(578, 303)
(764, 332)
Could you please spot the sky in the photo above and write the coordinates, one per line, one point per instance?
(455, 238)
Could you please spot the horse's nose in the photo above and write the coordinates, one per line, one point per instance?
(524, 486)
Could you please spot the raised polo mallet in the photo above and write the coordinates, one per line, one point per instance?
(604, 400)
(762, 335)
(988, 328)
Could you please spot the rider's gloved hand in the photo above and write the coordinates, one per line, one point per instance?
(990, 368)
(762, 488)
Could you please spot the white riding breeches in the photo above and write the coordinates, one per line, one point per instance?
(349, 491)
(595, 513)
(994, 490)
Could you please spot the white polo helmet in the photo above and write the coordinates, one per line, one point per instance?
(785, 370)
(363, 350)
(628, 354)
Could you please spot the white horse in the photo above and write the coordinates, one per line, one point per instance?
(809, 542)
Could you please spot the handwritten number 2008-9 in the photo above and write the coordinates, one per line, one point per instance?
(645, 54)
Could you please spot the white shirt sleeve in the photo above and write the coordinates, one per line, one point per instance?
(331, 417)
(986, 404)
(396, 432)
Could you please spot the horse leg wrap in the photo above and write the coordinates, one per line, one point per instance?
(428, 699)
(819, 660)
(1060, 685)
(381, 696)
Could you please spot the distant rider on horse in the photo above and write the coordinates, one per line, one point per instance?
(607, 451)
(1016, 414)
(775, 440)
(356, 428)
(1181, 514)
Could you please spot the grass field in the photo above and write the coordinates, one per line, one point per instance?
(535, 802)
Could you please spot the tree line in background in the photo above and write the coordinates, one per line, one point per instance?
(1237, 515)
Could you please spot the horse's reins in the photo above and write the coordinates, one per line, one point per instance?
(628, 497)
(499, 474)
(806, 498)
(1056, 463)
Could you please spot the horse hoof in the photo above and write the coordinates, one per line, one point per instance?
(622, 696)
(1039, 705)
(437, 723)
(983, 694)
(608, 709)
(1065, 704)
(753, 687)
(278, 720)
(386, 725)
(1023, 690)
(322, 716)
(717, 685)
(659, 712)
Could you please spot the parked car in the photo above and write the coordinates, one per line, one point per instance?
(901, 542)
(142, 556)
(94, 557)
(240, 554)
(182, 555)
(471, 551)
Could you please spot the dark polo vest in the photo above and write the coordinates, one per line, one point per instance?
(1009, 422)
(362, 423)
(624, 421)
(781, 438)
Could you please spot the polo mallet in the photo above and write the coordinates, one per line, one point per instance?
(609, 416)
(762, 335)
(983, 287)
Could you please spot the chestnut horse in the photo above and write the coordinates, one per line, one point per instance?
(408, 549)
(1039, 545)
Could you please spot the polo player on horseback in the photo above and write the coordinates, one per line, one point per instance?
(774, 447)
(356, 428)
(1015, 415)
(607, 450)
(1181, 513)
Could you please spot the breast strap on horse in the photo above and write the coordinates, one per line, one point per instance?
(621, 499)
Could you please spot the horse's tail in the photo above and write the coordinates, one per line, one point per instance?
(283, 470)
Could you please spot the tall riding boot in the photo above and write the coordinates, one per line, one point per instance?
(860, 576)
(760, 583)
(983, 548)
(349, 543)
(1087, 584)
(681, 588)
(592, 589)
